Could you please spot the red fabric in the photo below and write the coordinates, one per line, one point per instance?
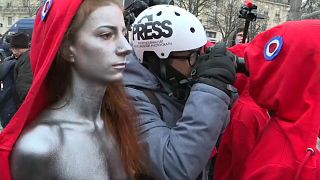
(241, 82)
(238, 49)
(213, 153)
(247, 122)
(205, 48)
(46, 40)
(209, 44)
(289, 85)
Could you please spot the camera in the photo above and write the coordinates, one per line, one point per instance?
(132, 8)
(241, 65)
(248, 11)
(239, 62)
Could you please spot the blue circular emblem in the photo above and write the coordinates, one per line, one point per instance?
(270, 54)
(45, 9)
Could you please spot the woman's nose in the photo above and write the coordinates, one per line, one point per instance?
(124, 47)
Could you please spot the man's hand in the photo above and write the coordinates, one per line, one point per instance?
(216, 68)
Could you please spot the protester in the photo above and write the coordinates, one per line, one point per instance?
(76, 121)
(181, 116)
(248, 120)
(8, 97)
(236, 37)
(239, 36)
(16, 77)
(5, 46)
(22, 71)
(284, 78)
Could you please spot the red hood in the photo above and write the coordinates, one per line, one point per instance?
(46, 40)
(241, 81)
(289, 84)
(238, 49)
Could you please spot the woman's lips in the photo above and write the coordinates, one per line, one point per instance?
(120, 65)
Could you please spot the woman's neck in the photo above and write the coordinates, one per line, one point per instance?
(84, 98)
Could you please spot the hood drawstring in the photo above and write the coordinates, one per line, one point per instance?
(309, 152)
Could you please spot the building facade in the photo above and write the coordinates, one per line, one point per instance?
(13, 10)
(276, 11)
(215, 17)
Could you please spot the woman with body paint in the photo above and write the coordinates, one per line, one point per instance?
(76, 121)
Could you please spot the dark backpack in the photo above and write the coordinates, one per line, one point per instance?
(8, 98)
(151, 96)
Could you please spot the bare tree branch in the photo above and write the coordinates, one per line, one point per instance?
(194, 6)
(305, 4)
(311, 15)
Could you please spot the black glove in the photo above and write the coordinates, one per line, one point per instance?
(216, 68)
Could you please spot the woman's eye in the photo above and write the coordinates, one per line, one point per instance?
(106, 35)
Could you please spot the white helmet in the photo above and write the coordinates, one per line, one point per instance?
(163, 29)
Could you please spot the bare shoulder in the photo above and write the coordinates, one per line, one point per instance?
(35, 149)
(40, 139)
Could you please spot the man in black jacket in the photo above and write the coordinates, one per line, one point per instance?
(8, 97)
(22, 71)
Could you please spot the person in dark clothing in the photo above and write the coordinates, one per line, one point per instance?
(22, 71)
(5, 48)
(16, 77)
(236, 37)
(8, 98)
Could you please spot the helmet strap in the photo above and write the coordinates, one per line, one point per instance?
(179, 83)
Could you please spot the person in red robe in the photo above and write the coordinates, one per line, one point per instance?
(246, 125)
(284, 78)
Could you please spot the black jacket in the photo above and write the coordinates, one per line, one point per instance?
(8, 97)
(23, 76)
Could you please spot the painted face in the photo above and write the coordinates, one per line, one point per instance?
(100, 49)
